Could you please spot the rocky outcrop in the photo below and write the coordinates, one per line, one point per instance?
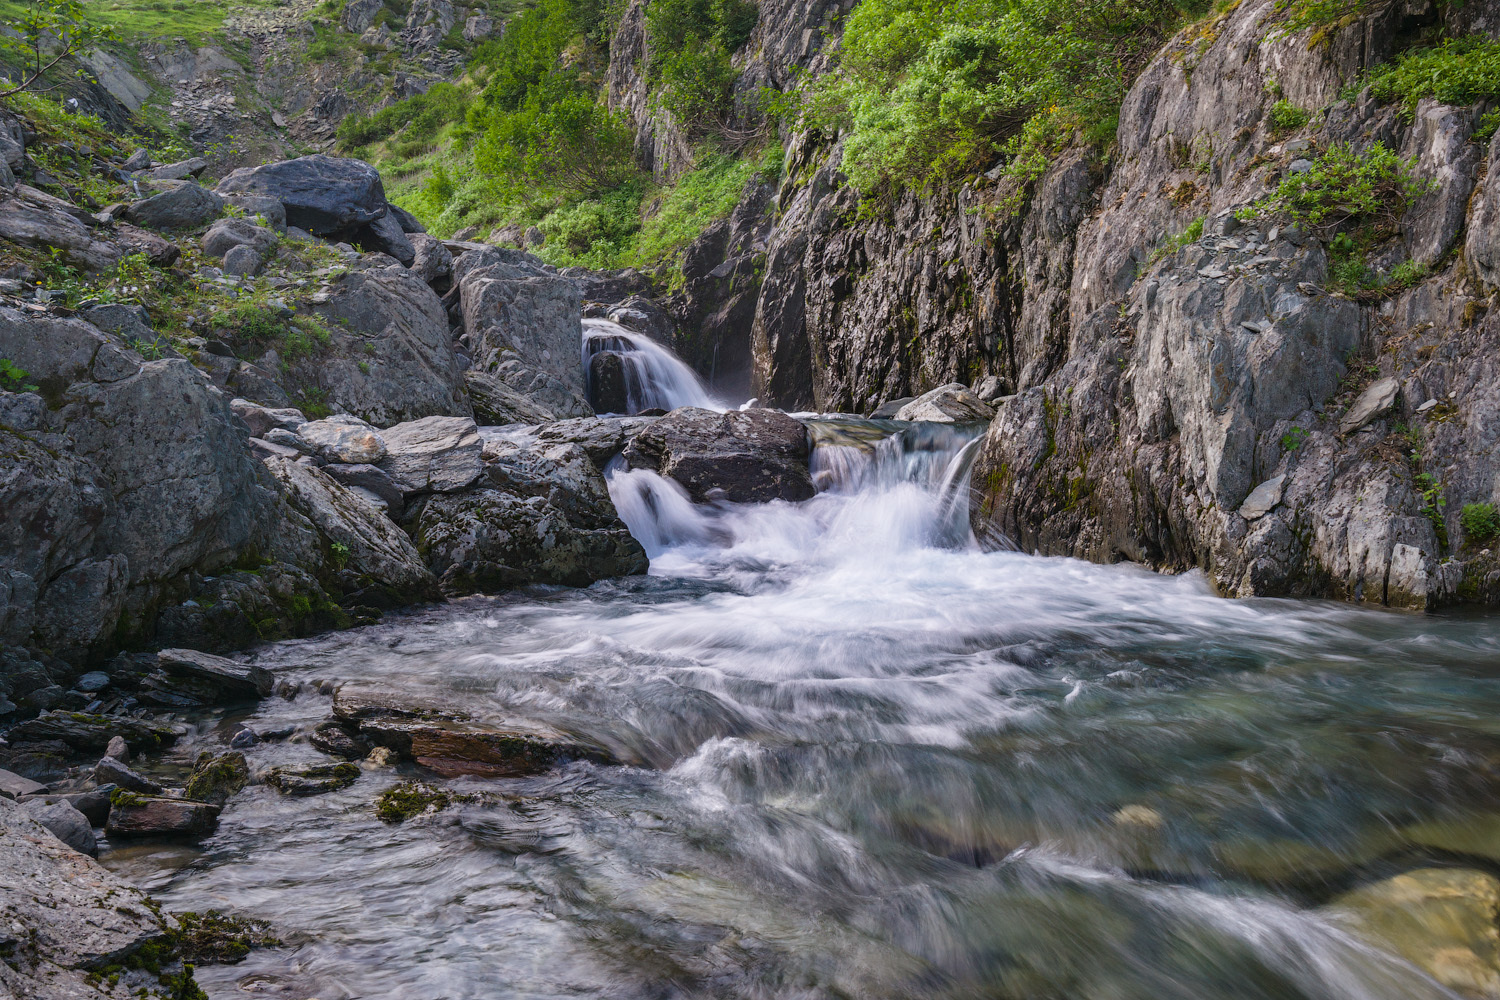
(743, 456)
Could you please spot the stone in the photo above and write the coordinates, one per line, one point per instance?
(496, 403)
(129, 322)
(181, 170)
(1375, 401)
(359, 15)
(1263, 499)
(261, 419)
(432, 262)
(216, 779)
(434, 454)
(891, 407)
(743, 456)
(331, 738)
(215, 678)
(1442, 920)
(260, 209)
(117, 749)
(313, 779)
(244, 739)
(948, 404)
(94, 680)
(323, 195)
(989, 389)
(242, 261)
(111, 771)
(92, 733)
(562, 474)
(178, 205)
(372, 480)
(345, 439)
(36, 219)
(63, 820)
(478, 26)
(386, 236)
(13, 786)
(515, 310)
(139, 160)
(290, 441)
(147, 816)
(608, 390)
(226, 234)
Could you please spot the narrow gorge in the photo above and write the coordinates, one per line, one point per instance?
(780, 499)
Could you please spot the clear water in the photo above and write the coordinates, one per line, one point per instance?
(871, 760)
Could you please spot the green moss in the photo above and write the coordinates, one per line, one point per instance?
(410, 798)
(215, 779)
(220, 938)
(125, 799)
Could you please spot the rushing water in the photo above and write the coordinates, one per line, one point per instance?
(872, 760)
(655, 378)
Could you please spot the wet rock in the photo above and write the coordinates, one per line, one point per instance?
(889, 409)
(434, 454)
(133, 815)
(214, 679)
(948, 404)
(93, 804)
(602, 438)
(345, 439)
(226, 234)
(454, 744)
(410, 799)
(562, 474)
(111, 771)
(13, 786)
(177, 205)
(608, 391)
(322, 194)
(331, 738)
(65, 823)
(743, 456)
(1375, 401)
(92, 733)
(1443, 920)
(216, 779)
(244, 739)
(313, 779)
(485, 540)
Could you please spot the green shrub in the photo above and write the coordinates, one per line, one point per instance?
(1192, 234)
(1370, 188)
(1287, 117)
(13, 379)
(1458, 71)
(1484, 131)
(1480, 521)
(692, 41)
(418, 118)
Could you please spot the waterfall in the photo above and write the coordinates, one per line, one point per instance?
(637, 372)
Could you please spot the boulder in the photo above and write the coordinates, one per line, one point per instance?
(561, 474)
(66, 823)
(176, 205)
(948, 404)
(434, 454)
(179, 171)
(111, 771)
(371, 481)
(128, 322)
(386, 236)
(496, 403)
(214, 678)
(544, 389)
(215, 779)
(1263, 499)
(345, 439)
(13, 786)
(608, 390)
(312, 779)
(261, 419)
(159, 251)
(515, 310)
(92, 733)
(321, 194)
(146, 816)
(35, 219)
(258, 207)
(1375, 401)
(409, 223)
(487, 540)
(602, 438)
(226, 234)
(242, 262)
(743, 456)
(432, 261)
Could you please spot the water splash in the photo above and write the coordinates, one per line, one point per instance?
(655, 378)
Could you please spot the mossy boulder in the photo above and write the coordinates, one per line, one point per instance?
(215, 779)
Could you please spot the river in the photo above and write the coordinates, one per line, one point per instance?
(872, 760)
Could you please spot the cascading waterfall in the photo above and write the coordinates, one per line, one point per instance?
(652, 376)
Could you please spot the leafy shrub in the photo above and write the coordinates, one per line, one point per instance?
(1459, 71)
(1480, 521)
(1287, 117)
(1192, 234)
(592, 232)
(13, 379)
(417, 118)
(1485, 130)
(1342, 186)
(693, 40)
(1324, 16)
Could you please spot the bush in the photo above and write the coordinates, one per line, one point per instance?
(1459, 71)
(1287, 117)
(417, 118)
(693, 40)
(1480, 521)
(1370, 188)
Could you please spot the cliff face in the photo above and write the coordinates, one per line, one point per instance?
(1152, 396)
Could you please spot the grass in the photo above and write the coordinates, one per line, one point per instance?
(197, 20)
(1192, 234)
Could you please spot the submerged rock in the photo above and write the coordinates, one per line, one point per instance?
(313, 779)
(744, 456)
(132, 815)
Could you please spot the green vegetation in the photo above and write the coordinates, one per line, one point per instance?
(1287, 117)
(1192, 234)
(220, 938)
(1480, 521)
(1457, 71)
(1325, 17)
(41, 36)
(1343, 187)
(13, 379)
(410, 798)
(1293, 439)
(198, 20)
(1433, 503)
(691, 42)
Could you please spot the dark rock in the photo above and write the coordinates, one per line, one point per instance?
(178, 205)
(179, 171)
(743, 456)
(214, 679)
(313, 779)
(110, 771)
(132, 239)
(331, 738)
(216, 779)
(322, 194)
(226, 234)
(259, 206)
(408, 222)
(371, 479)
(13, 786)
(94, 680)
(141, 816)
(242, 261)
(608, 391)
(92, 733)
(244, 739)
(496, 403)
(36, 219)
(385, 235)
(66, 823)
(889, 409)
(562, 474)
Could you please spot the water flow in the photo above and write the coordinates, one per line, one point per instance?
(655, 378)
(864, 758)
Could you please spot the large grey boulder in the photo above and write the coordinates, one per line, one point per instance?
(602, 438)
(432, 261)
(322, 194)
(516, 310)
(562, 474)
(496, 403)
(345, 439)
(948, 404)
(743, 456)
(214, 678)
(226, 234)
(434, 454)
(63, 820)
(386, 236)
(35, 219)
(486, 540)
(175, 205)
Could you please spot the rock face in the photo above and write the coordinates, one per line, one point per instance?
(743, 456)
(434, 454)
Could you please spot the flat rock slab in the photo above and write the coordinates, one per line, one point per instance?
(454, 744)
(433, 454)
(315, 779)
(948, 404)
(149, 816)
(1373, 402)
(743, 456)
(13, 786)
(215, 677)
(92, 733)
(1263, 499)
(345, 439)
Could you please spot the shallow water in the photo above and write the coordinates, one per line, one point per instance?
(871, 760)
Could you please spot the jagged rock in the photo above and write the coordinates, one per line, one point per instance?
(1373, 402)
(514, 310)
(562, 474)
(345, 439)
(434, 454)
(374, 549)
(226, 234)
(74, 915)
(323, 195)
(179, 171)
(35, 219)
(496, 403)
(110, 771)
(372, 481)
(257, 206)
(92, 733)
(159, 251)
(602, 438)
(312, 779)
(359, 15)
(261, 419)
(118, 749)
(1263, 499)
(331, 738)
(432, 261)
(178, 205)
(13, 786)
(242, 261)
(477, 27)
(66, 823)
(215, 779)
(485, 540)
(948, 404)
(544, 389)
(453, 743)
(215, 678)
(128, 322)
(386, 236)
(146, 816)
(744, 456)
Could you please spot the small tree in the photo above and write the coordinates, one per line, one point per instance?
(49, 32)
